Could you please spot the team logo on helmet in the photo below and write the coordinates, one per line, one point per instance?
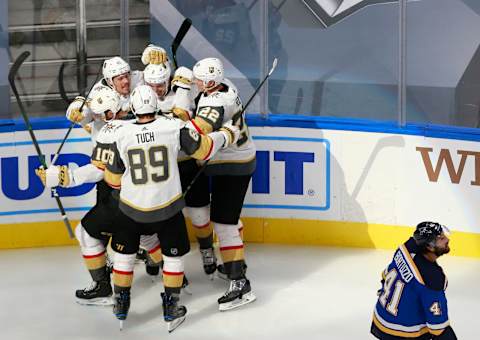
(211, 69)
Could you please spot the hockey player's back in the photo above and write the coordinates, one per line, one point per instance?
(412, 302)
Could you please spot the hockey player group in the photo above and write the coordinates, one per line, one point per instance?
(153, 130)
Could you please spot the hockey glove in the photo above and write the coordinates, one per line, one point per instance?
(183, 78)
(73, 111)
(154, 55)
(54, 176)
(231, 133)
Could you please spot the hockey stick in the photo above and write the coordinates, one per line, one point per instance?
(182, 31)
(11, 79)
(61, 85)
(204, 165)
(73, 123)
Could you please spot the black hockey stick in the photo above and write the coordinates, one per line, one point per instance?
(73, 123)
(182, 31)
(11, 79)
(61, 85)
(204, 165)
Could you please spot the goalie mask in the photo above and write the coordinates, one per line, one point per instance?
(105, 100)
(143, 101)
(209, 70)
(158, 77)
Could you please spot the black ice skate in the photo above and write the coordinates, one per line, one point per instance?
(121, 306)
(209, 261)
(238, 294)
(173, 314)
(99, 293)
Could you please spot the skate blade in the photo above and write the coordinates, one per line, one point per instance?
(121, 325)
(246, 298)
(105, 301)
(211, 276)
(172, 325)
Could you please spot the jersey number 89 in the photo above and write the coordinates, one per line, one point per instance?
(151, 164)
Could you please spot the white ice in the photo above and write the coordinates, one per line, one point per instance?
(302, 293)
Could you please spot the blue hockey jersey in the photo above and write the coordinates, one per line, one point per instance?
(411, 302)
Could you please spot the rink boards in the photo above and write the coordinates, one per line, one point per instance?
(318, 182)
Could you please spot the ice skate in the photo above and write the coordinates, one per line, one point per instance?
(99, 293)
(173, 314)
(121, 306)
(209, 261)
(238, 294)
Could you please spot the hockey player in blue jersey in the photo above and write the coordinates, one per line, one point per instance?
(411, 303)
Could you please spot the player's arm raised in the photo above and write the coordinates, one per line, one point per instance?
(203, 147)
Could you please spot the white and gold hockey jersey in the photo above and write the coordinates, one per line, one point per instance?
(92, 124)
(213, 110)
(143, 165)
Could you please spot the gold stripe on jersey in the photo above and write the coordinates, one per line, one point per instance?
(172, 280)
(166, 204)
(411, 264)
(114, 180)
(423, 330)
(122, 279)
(181, 113)
(183, 158)
(203, 125)
(203, 231)
(98, 164)
(224, 161)
(96, 262)
(204, 149)
(235, 253)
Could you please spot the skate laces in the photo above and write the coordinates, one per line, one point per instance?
(235, 285)
(93, 285)
(208, 256)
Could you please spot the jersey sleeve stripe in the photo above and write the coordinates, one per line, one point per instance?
(204, 148)
(98, 165)
(411, 264)
(204, 126)
(113, 180)
(196, 126)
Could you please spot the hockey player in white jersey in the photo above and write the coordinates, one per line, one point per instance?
(174, 95)
(118, 76)
(143, 165)
(95, 228)
(230, 170)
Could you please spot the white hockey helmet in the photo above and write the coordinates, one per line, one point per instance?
(143, 100)
(209, 69)
(157, 74)
(114, 67)
(105, 99)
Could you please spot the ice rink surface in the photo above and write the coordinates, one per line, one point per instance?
(302, 293)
